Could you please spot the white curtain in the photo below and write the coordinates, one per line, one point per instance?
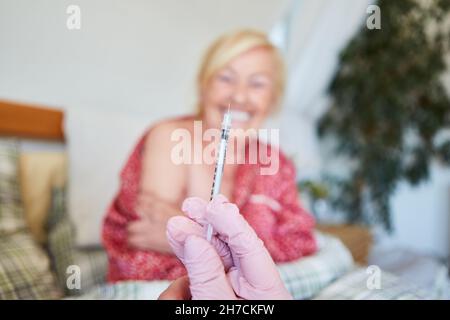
(311, 34)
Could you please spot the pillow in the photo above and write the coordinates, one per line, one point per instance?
(40, 172)
(98, 145)
(92, 262)
(11, 214)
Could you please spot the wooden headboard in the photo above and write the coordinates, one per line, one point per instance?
(31, 121)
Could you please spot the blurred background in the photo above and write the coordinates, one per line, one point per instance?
(366, 115)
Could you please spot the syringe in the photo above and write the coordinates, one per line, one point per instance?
(218, 171)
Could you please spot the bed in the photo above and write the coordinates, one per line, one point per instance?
(39, 257)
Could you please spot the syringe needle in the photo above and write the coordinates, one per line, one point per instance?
(218, 171)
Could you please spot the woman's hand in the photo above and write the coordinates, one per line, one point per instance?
(154, 208)
(149, 232)
(235, 265)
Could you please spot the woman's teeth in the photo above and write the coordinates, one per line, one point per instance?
(240, 116)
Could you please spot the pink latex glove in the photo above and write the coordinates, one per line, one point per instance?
(235, 265)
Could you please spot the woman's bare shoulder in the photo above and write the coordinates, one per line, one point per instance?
(160, 174)
(163, 130)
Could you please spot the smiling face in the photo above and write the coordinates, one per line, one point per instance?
(247, 83)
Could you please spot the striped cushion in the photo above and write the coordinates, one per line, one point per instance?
(11, 211)
(63, 253)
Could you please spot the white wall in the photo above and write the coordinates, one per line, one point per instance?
(421, 215)
(137, 55)
(136, 60)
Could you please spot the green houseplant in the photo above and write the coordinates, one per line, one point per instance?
(390, 106)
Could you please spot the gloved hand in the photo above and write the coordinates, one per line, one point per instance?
(235, 265)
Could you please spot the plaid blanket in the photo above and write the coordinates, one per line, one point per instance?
(351, 286)
(307, 276)
(24, 269)
(328, 275)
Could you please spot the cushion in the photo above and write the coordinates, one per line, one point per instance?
(11, 211)
(63, 253)
(98, 145)
(40, 172)
(357, 238)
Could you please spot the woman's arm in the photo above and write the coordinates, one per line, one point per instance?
(161, 188)
(127, 263)
(149, 232)
(160, 175)
(127, 242)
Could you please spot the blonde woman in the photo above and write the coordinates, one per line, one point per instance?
(241, 69)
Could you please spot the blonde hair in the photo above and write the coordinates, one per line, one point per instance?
(231, 45)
